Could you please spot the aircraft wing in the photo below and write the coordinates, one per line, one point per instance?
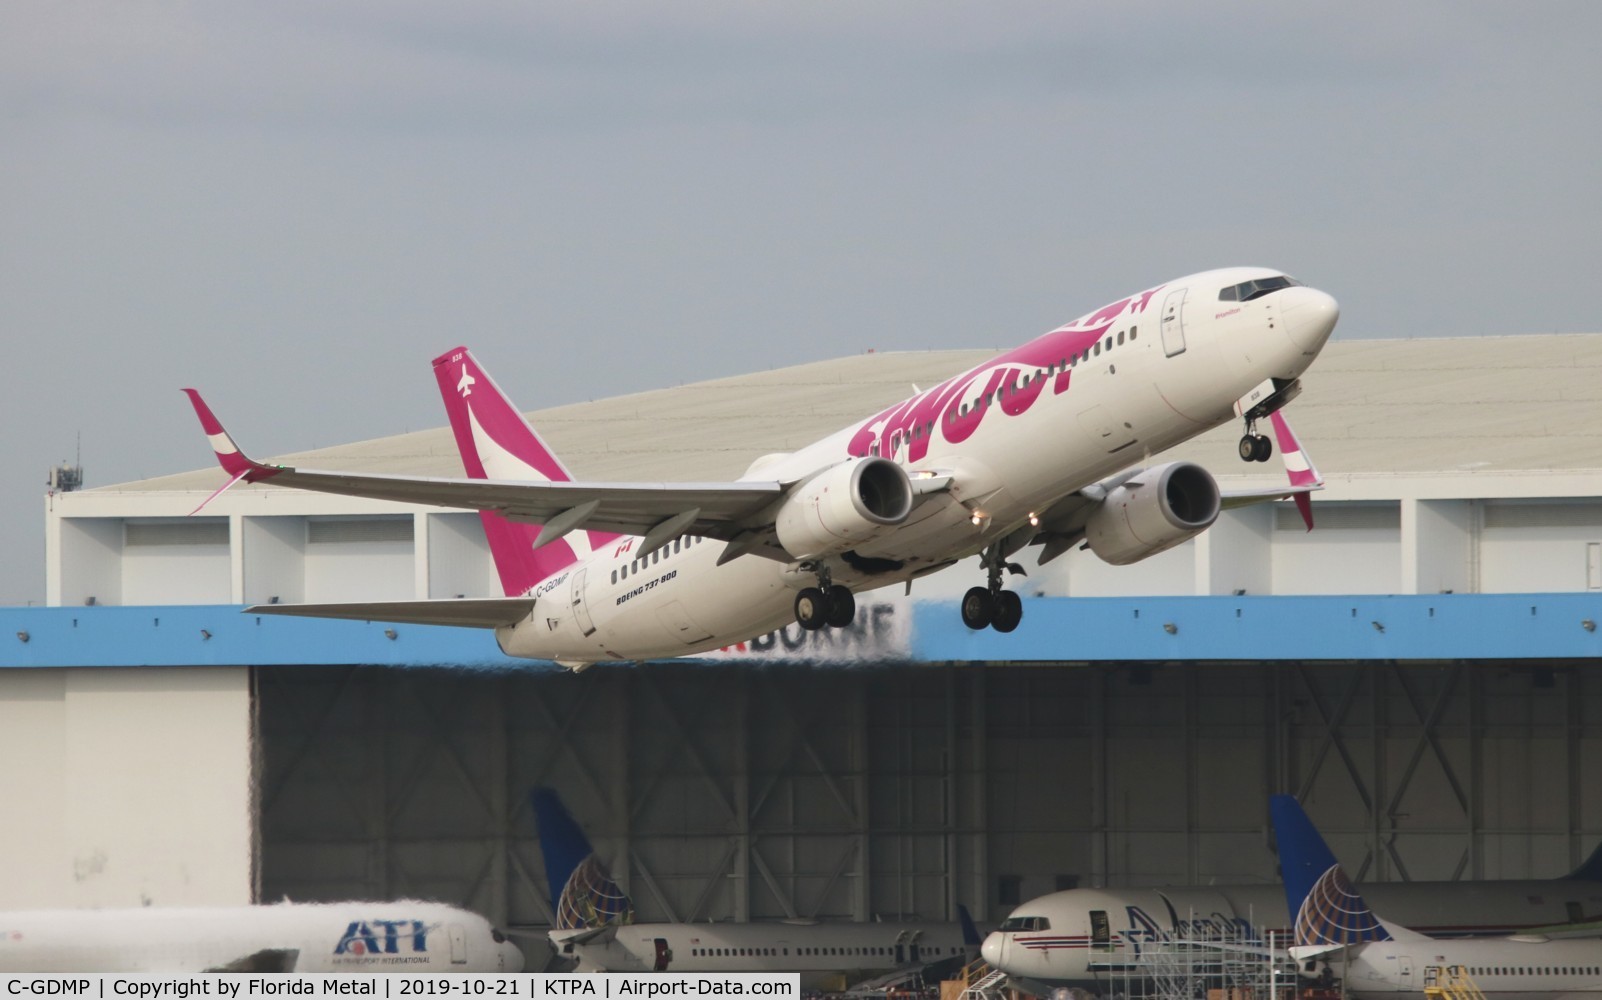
(487, 612)
(712, 510)
(1230, 499)
(587, 935)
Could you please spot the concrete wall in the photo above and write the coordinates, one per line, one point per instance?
(126, 787)
(1365, 541)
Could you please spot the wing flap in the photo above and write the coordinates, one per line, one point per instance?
(487, 612)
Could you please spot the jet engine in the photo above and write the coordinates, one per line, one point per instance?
(843, 506)
(1153, 511)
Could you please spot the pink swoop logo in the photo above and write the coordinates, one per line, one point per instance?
(1010, 383)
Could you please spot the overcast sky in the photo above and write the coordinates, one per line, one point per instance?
(295, 204)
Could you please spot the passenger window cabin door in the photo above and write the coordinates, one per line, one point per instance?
(458, 944)
(581, 613)
(1173, 323)
(1100, 931)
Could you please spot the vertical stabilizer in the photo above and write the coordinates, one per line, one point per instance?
(1325, 908)
(971, 941)
(583, 892)
(1590, 870)
(497, 443)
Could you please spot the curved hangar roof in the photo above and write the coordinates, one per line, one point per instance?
(1452, 405)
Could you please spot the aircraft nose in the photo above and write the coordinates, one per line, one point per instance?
(994, 948)
(1309, 316)
(511, 957)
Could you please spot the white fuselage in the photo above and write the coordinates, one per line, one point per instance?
(1015, 434)
(821, 953)
(1091, 937)
(402, 936)
(1502, 968)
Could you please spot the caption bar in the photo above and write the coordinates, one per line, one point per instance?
(246, 986)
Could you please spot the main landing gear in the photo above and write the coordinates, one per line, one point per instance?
(826, 604)
(990, 606)
(1255, 447)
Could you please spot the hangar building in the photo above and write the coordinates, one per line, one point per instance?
(1415, 669)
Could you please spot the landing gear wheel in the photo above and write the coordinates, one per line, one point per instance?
(978, 607)
(1008, 611)
(1262, 448)
(1248, 448)
(840, 606)
(811, 609)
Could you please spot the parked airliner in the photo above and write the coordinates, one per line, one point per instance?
(1377, 957)
(403, 936)
(595, 927)
(1088, 938)
(1035, 446)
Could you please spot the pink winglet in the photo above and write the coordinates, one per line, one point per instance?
(1298, 464)
(233, 461)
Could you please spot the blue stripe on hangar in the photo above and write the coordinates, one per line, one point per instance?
(1489, 627)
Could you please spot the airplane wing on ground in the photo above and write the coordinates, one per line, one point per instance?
(485, 612)
(587, 935)
(711, 510)
(266, 960)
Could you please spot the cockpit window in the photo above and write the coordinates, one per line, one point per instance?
(1256, 288)
(1012, 924)
(497, 936)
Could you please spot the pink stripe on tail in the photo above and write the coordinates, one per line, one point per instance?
(496, 442)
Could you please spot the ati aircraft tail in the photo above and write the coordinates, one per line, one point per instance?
(497, 443)
(584, 895)
(1326, 910)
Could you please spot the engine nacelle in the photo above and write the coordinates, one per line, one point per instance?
(843, 506)
(1152, 512)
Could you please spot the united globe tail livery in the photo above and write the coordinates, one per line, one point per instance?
(1093, 938)
(595, 928)
(1375, 957)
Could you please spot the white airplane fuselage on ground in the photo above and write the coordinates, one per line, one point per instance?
(405, 936)
(1092, 938)
(1518, 968)
(825, 955)
(1178, 361)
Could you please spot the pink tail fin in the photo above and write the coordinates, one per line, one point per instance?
(1298, 464)
(497, 443)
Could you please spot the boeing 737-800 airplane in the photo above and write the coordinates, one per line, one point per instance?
(595, 927)
(1033, 447)
(404, 936)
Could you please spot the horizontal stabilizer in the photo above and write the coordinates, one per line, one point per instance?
(484, 612)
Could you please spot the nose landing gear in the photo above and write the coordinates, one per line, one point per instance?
(990, 606)
(1262, 401)
(1255, 447)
